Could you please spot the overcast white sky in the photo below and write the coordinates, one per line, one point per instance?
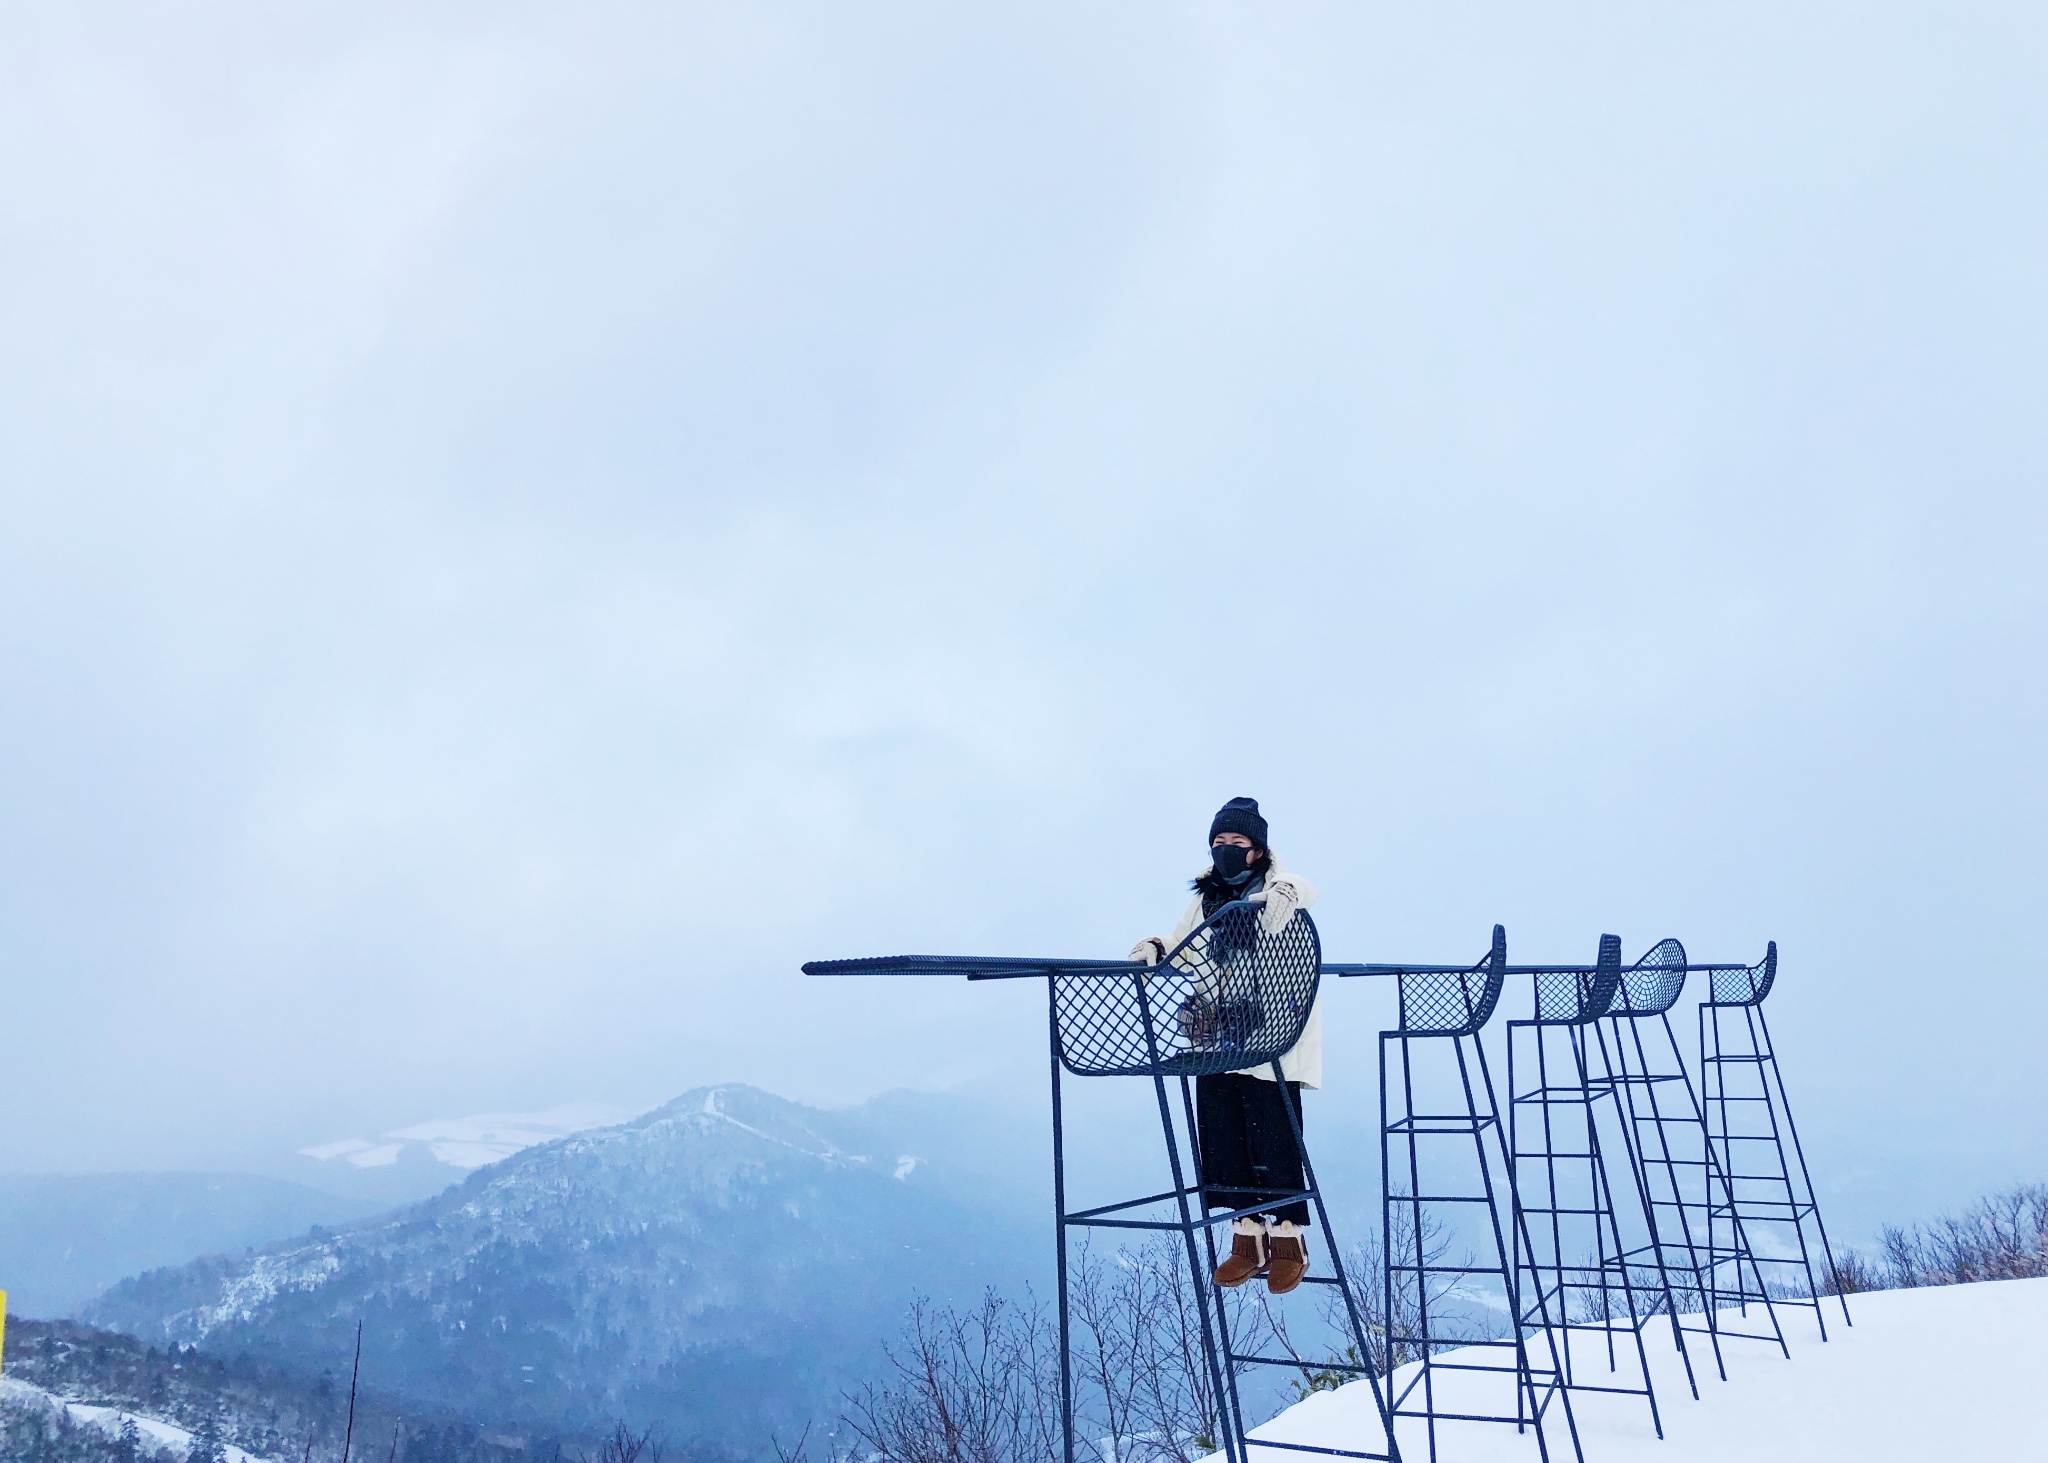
(520, 524)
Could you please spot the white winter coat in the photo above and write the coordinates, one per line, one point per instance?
(1282, 894)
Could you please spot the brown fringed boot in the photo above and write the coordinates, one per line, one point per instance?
(1247, 1254)
(1288, 1260)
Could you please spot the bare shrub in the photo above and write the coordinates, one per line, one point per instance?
(982, 1385)
(1142, 1387)
(2004, 1237)
(974, 1386)
(1387, 1346)
(1855, 1273)
(625, 1446)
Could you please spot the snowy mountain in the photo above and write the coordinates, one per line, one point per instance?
(723, 1265)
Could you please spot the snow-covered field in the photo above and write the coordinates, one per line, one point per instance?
(1949, 1372)
(474, 1141)
(154, 1432)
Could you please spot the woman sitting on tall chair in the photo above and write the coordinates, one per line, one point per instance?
(1249, 1154)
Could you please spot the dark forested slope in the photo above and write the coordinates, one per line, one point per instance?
(721, 1267)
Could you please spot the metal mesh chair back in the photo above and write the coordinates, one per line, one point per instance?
(1650, 987)
(1747, 986)
(1454, 1002)
(1575, 997)
(1231, 995)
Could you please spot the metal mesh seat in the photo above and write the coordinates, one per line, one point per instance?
(1746, 985)
(1651, 986)
(1576, 997)
(1231, 995)
(1454, 1002)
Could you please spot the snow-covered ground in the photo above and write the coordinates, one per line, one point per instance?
(155, 1432)
(1948, 1372)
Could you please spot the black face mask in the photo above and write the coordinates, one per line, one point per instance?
(1233, 864)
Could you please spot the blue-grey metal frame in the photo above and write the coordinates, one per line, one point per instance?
(1748, 1118)
(1443, 1010)
(1232, 996)
(1251, 991)
(1578, 1270)
(1677, 1173)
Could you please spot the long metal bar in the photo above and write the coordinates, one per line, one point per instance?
(1010, 967)
(1288, 1099)
(1370, 968)
(1059, 1207)
(1806, 1178)
(976, 967)
(1215, 1341)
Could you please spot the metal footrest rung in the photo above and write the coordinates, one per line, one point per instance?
(1723, 1256)
(1439, 1199)
(1451, 1366)
(1614, 1326)
(1459, 1124)
(1462, 1416)
(1744, 1209)
(1187, 1193)
(1614, 1391)
(1723, 1331)
(1619, 1326)
(1748, 1213)
(1766, 1178)
(1300, 1364)
(1090, 1218)
(1308, 1448)
(1559, 1097)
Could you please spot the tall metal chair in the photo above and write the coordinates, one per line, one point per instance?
(1234, 995)
(1578, 1272)
(1771, 1205)
(1677, 1173)
(1455, 1161)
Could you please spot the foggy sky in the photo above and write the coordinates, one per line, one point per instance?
(521, 525)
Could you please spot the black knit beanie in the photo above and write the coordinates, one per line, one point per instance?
(1240, 815)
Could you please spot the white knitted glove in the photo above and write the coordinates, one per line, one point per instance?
(1150, 951)
(1281, 898)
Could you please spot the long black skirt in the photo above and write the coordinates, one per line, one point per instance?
(1249, 1155)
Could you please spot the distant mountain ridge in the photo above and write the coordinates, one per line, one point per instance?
(722, 1266)
(66, 1237)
